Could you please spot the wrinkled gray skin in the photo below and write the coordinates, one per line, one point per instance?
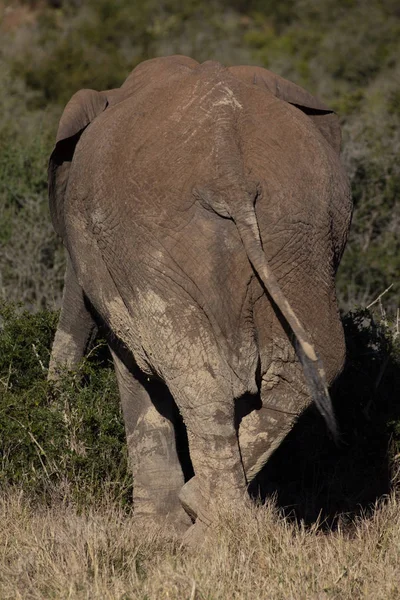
(204, 211)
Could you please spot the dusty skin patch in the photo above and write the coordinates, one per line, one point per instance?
(157, 326)
(119, 318)
(153, 418)
(126, 330)
(175, 341)
(63, 338)
(271, 446)
(229, 99)
(267, 436)
(154, 301)
(62, 354)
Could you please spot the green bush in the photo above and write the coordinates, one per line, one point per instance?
(98, 45)
(369, 387)
(371, 144)
(367, 407)
(68, 438)
(31, 257)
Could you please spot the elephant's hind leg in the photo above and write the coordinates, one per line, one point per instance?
(206, 402)
(262, 430)
(151, 430)
(75, 327)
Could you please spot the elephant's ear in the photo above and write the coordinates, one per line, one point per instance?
(80, 111)
(322, 116)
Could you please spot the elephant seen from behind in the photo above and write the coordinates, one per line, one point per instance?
(204, 212)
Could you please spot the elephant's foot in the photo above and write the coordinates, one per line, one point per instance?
(175, 524)
(196, 535)
(205, 512)
(196, 507)
(166, 515)
(193, 501)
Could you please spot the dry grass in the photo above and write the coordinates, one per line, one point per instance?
(55, 552)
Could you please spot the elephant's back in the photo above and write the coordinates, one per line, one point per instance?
(137, 166)
(137, 183)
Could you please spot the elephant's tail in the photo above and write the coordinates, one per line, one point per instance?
(247, 225)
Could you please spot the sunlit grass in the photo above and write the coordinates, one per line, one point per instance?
(59, 552)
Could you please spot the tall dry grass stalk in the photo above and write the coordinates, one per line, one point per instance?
(57, 552)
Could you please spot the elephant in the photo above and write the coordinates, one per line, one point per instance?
(204, 211)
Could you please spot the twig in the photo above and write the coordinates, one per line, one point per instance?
(383, 313)
(4, 381)
(89, 354)
(193, 592)
(36, 353)
(342, 574)
(380, 296)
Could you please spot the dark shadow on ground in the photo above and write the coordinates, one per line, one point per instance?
(313, 479)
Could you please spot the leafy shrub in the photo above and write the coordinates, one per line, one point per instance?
(366, 402)
(72, 436)
(31, 258)
(98, 45)
(370, 384)
(371, 262)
